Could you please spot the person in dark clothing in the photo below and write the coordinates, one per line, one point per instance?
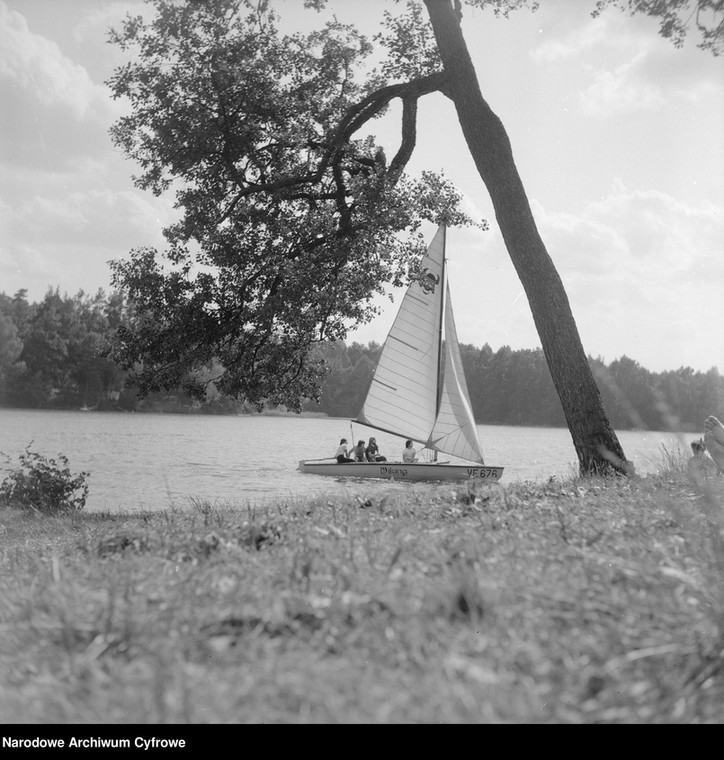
(372, 452)
(358, 452)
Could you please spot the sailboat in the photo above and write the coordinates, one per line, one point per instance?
(418, 390)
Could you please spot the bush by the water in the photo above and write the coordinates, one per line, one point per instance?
(44, 485)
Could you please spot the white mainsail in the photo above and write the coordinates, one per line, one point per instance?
(404, 396)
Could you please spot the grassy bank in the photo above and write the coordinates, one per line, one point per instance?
(581, 602)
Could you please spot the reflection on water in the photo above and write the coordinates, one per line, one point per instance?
(156, 461)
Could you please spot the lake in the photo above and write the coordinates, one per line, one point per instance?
(158, 461)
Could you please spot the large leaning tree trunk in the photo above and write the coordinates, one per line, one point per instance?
(595, 441)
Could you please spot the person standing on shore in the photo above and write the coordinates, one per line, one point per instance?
(700, 463)
(714, 440)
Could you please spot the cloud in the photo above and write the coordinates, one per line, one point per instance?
(67, 201)
(644, 232)
(643, 273)
(619, 91)
(50, 241)
(626, 68)
(653, 77)
(98, 218)
(33, 63)
(572, 44)
(52, 110)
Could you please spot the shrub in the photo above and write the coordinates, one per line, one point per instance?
(44, 485)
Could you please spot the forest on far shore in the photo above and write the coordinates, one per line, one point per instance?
(51, 357)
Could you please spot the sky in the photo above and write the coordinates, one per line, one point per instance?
(617, 135)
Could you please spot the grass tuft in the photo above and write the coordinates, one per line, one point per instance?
(584, 600)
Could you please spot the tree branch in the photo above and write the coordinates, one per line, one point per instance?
(351, 122)
(409, 138)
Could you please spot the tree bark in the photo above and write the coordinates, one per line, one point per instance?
(596, 444)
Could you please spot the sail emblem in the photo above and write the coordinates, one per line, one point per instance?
(428, 280)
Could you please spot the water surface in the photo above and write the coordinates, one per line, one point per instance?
(156, 461)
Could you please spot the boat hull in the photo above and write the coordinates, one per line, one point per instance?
(403, 471)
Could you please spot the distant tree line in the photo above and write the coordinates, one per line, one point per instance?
(510, 387)
(52, 357)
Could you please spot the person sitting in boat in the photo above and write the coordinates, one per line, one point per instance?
(408, 453)
(342, 455)
(358, 452)
(372, 452)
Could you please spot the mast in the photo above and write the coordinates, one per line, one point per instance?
(441, 327)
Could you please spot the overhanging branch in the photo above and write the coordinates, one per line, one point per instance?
(354, 119)
(409, 138)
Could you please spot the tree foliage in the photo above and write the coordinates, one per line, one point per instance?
(10, 346)
(55, 355)
(289, 222)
